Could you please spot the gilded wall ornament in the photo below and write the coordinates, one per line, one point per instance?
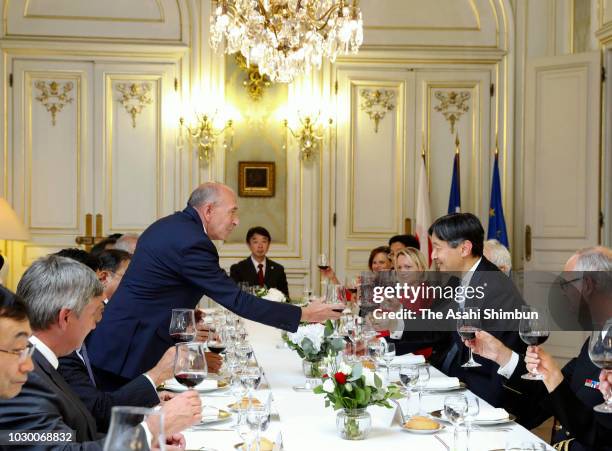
(254, 82)
(54, 96)
(376, 104)
(452, 105)
(134, 97)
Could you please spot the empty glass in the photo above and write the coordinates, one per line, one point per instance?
(258, 418)
(455, 409)
(388, 356)
(125, 431)
(422, 381)
(409, 376)
(473, 409)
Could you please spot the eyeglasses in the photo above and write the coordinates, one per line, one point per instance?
(564, 284)
(23, 354)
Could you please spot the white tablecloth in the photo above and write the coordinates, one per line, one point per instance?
(307, 425)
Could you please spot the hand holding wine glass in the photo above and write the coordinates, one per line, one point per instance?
(533, 330)
(600, 352)
(190, 364)
(467, 326)
(182, 325)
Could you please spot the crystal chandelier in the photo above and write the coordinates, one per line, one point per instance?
(285, 38)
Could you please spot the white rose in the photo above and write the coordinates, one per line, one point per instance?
(369, 377)
(275, 295)
(345, 368)
(328, 385)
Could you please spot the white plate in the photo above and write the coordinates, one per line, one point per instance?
(204, 387)
(439, 415)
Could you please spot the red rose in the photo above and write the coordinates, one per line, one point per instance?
(325, 376)
(340, 378)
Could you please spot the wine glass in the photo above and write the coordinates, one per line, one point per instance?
(409, 376)
(473, 409)
(388, 356)
(190, 367)
(125, 431)
(533, 330)
(182, 325)
(467, 326)
(336, 295)
(250, 378)
(424, 376)
(258, 418)
(600, 352)
(455, 409)
(323, 262)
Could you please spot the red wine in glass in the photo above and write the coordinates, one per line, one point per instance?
(189, 380)
(217, 348)
(535, 338)
(182, 338)
(468, 332)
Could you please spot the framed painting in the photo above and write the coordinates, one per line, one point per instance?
(256, 178)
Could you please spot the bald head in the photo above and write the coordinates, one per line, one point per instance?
(597, 258)
(217, 207)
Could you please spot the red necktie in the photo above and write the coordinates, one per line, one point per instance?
(260, 275)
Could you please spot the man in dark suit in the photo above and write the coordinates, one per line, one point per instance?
(258, 269)
(15, 350)
(569, 393)
(174, 265)
(457, 241)
(64, 301)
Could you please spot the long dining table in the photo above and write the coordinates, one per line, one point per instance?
(301, 422)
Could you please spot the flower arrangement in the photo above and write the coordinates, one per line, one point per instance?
(314, 342)
(356, 387)
(353, 389)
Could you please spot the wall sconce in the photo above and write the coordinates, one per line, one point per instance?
(309, 135)
(203, 134)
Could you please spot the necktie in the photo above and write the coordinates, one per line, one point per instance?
(85, 358)
(260, 275)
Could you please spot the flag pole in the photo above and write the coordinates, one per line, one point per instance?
(458, 154)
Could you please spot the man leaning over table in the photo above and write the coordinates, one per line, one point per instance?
(174, 265)
(64, 300)
(571, 392)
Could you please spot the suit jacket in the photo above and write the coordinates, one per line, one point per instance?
(138, 392)
(571, 402)
(274, 277)
(46, 403)
(499, 293)
(174, 265)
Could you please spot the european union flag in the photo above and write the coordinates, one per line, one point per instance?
(454, 201)
(497, 223)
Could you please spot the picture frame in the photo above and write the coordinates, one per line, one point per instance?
(256, 178)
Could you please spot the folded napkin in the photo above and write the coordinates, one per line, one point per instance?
(206, 384)
(492, 414)
(442, 382)
(408, 359)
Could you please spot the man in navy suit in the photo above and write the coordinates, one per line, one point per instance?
(259, 269)
(174, 265)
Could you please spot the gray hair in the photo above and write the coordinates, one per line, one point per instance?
(52, 283)
(596, 258)
(596, 264)
(124, 243)
(500, 255)
(206, 193)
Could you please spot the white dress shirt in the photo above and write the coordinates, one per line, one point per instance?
(256, 264)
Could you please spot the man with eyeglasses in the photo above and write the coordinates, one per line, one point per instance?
(15, 350)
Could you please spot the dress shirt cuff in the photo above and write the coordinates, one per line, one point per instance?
(398, 331)
(507, 370)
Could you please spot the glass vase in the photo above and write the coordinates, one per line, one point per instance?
(313, 369)
(353, 424)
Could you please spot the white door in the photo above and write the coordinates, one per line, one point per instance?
(371, 180)
(136, 157)
(562, 120)
(51, 158)
(561, 171)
